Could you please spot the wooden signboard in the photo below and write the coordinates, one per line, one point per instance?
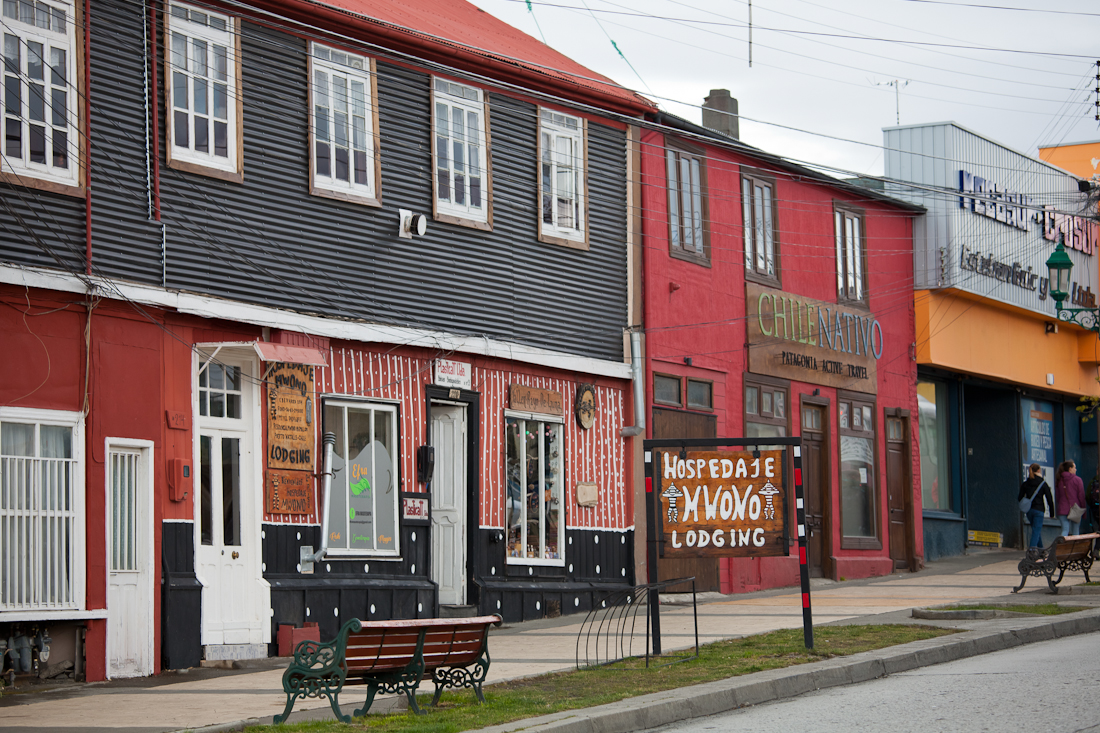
(812, 341)
(288, 492)
(290, 433)
(530, 399)
(721, 504)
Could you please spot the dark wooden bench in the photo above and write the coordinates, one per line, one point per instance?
(391, 657)
(1067, 553)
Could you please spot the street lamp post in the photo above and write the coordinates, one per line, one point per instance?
(1059, 266)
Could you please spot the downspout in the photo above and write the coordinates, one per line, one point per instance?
(637, 376)
(87, 137)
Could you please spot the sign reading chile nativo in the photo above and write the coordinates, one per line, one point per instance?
(808, 340)
(722, 504)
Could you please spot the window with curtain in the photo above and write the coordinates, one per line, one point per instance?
(851, 280)
(461, 174)
(688, 230)
(758, 214)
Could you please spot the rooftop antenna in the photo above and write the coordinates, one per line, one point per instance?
(750, 50)
(897, 94)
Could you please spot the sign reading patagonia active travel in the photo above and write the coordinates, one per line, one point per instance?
(290, 434)
(722, 504)
(812, 341)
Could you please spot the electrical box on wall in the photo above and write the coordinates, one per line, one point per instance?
(179, 479)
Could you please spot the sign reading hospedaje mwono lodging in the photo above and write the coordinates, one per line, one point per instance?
(722, 504)
(808, 340)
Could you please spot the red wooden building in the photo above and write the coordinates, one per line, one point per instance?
(777, 304)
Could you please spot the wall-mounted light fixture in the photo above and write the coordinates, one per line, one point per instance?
(410, 224)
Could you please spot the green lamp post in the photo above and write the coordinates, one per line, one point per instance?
(1059, 266)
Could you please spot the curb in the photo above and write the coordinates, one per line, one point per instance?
(672, 706)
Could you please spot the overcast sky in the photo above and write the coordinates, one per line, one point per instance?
(814, 68)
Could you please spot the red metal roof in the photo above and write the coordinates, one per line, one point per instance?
(446, 26)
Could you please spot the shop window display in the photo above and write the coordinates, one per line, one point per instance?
(534, 479)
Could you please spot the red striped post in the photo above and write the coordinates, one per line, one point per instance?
(803, 568)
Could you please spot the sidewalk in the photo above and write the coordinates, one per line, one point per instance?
(205, 698)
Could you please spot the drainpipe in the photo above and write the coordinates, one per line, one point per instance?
(636, 375)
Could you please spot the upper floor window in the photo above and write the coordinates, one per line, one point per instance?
(344, 151)
(203, 89)
(459, 134)
(687, 200)
(758, 209)
(851, 280)
(563, 217)
(41, 124)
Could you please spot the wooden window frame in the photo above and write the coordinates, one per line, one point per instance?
(687, 391)
(575, 238)
(755, 177)
(842, 211)
(191, 161)
(33, 175)
(853, 398)
(679, 380)
(368, 195)
(771, 383)
(447, 212)
(682, 150)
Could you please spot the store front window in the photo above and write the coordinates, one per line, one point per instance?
(765, 409)
(857, 474)
(935, 482)
(534, 477)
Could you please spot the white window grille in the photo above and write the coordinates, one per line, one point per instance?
(41, 511)
(561, 148)
(461, 175)
(41, 131)
(343, 122)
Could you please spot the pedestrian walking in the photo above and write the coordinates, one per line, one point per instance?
(1069, 498)
(1034, 500)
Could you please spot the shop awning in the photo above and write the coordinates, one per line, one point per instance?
(293, 354)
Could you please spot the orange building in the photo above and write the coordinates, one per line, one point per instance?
(1081, 159)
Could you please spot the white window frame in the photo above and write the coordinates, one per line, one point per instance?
(394, 408)
(76, 514)
(361, 69)
(554, 129)
(562, 518)
(186, 157)
(851, 276)
(471, 101)
(17, 168)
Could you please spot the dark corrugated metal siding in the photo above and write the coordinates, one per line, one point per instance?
(41, 229)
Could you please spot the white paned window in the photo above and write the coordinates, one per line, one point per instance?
(202, 88)
(41, 511)
(561, 152)
(757, 214)
(535, 472)
(343, 122)
(461, 176)
(365, 482)
(851, 282)
(41, 124)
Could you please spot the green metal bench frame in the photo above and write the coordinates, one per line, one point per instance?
(321, 670)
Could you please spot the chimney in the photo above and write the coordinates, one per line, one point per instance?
(720, 113)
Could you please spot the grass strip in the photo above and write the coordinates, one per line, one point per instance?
(551, 693)
(1038, 609)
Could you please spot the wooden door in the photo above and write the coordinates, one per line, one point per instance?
(815, 482)
(130, 559)
(680, 424)
(897, 487)
(449, 503)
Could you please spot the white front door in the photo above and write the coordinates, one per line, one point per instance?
(449, 503)
(235, 597)
(129, 559)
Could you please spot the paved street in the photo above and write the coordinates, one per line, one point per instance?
(211, 697)
(1050, 686)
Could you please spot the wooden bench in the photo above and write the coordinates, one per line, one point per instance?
(1067, 553)
(391, 657)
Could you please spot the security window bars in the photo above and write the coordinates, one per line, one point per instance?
(758, 217)
(41, 133)
(203, 88)
(851, 281)
(41, 512)
(343, 122)
(687, 229)
(535, 472)
(365, 482)
(460, 163)
(561, 164)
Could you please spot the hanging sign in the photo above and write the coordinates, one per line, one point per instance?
(290, 434)
(288, 492)
(722, 504)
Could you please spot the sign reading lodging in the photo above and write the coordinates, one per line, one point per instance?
(288, 492)
(290, 435)
(722, 504)
(812, 341)
(530, 399)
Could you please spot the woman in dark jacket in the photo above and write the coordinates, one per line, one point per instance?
(1036, 489)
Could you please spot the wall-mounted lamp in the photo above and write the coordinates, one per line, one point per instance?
(817, 392)
(1051, 327)
(687, 360)
(410, 224)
